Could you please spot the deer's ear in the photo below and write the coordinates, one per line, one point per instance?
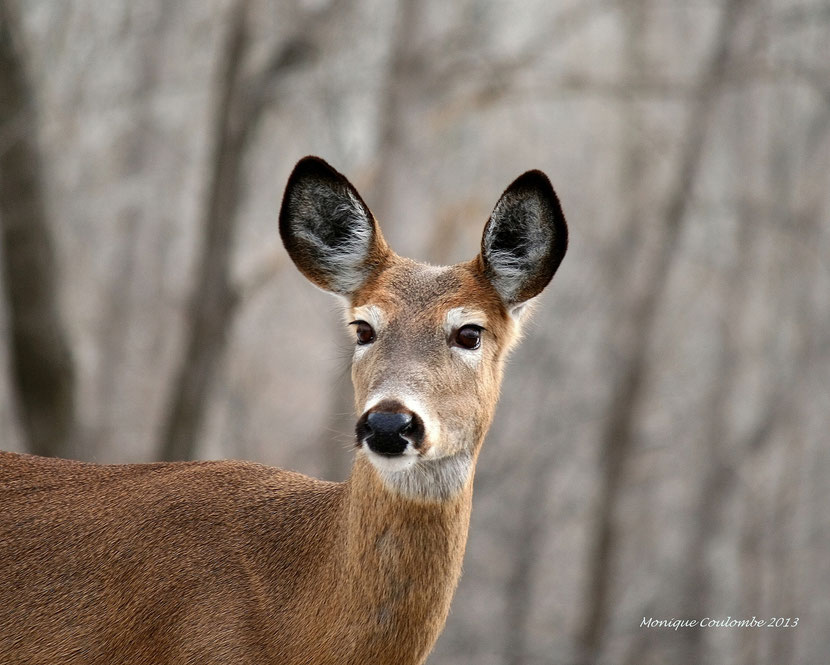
(524, 240)
(328, 230)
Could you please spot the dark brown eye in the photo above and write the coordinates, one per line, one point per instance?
(468, 337)
(365, 332)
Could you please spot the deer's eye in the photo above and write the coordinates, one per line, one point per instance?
(468, 337)
(365, 332)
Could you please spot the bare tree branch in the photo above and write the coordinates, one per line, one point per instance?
(42, 365)
(502, 73)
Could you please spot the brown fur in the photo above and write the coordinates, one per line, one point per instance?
(233, 562)
(218, 562)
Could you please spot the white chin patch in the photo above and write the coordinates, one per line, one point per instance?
(417, 477)
(386, 464)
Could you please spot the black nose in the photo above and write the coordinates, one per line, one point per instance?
(388, 424)
(388, 432)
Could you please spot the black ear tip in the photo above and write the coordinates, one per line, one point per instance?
(314, 167)
(536, 183)
(532, 181)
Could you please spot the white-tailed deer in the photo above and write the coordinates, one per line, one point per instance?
(232, 562)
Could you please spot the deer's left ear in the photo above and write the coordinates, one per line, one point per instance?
(524, 240)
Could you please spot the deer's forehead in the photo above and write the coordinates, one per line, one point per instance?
(415, 291)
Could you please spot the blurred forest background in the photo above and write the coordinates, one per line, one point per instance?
(660, 448)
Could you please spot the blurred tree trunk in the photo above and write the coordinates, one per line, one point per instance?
(140, 144)
(719, 472)
(241, 102)
(43, 378)
(213, 300)
(783, 562)
(380, 196)
(397, 87)
(637, 325)
(530, 536)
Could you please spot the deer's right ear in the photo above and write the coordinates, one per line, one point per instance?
(329, 232)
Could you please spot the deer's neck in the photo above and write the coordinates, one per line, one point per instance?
(403, 560)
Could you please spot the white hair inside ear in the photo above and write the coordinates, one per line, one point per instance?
(521, 311)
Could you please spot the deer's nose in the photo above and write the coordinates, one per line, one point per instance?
(388, 431)
(388, 424)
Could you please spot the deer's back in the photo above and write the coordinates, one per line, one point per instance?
(164, 562)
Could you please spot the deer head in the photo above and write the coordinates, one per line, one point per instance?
(430, 342)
